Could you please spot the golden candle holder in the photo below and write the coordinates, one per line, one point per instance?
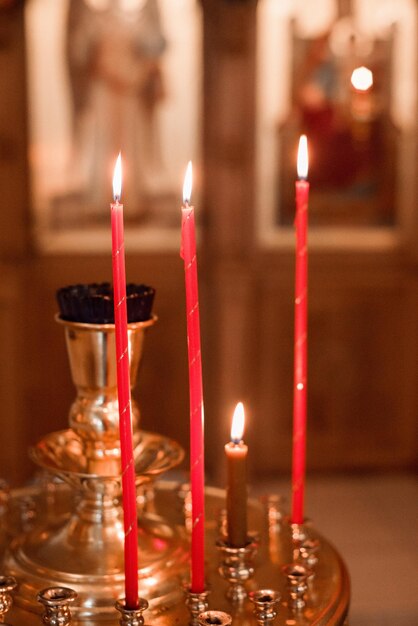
(7, 585)
(197, 603)
(56, 602)
(237, 567)
(220, 618)
(131, 617)
(265, 603)
(66, 531)
(84, 550)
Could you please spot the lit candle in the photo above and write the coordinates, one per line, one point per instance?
(236, 497)
(197, 457)
(301, 328)
(124, 394)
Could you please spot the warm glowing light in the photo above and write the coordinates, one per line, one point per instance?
(303, 157)
(237, 428)
(117, 179)
(187, 185)
(362, 78)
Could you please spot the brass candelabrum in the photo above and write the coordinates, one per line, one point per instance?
(70, 537)
(85, 550)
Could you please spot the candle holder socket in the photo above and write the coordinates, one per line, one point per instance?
(7, 585)
(265, 603)
(214, 617)
(237, 567)
(131, 617)
(297, 585)
(56, 602)
(197, 603)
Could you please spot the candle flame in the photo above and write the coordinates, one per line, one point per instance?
(187, 185)
(117, 179)
(362, 78)
(237, 428)
(303, 161)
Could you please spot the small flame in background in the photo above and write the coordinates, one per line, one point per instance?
(187, 185)
(362, 78)
(238, 421)
(117, 179)
(303, 160)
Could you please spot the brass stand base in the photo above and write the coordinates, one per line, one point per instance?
(327, 601)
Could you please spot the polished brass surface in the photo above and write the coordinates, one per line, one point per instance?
(326, 603)
(94, 414)
(84, 549)
(56, 602)
(265, 603)
(131, 617)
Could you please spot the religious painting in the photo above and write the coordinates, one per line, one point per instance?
(341, 72)
(108, 76)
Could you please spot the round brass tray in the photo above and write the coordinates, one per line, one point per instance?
(328, 596)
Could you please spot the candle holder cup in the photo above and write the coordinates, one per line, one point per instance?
(131, 617)
(197, 603)
(214, 617)
(7, 585)
(237, 567)
(265, 603)
(56, 602)
(297, 584)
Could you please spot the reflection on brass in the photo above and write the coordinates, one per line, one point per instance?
(56, 602)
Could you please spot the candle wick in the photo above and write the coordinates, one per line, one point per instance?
(236, 441)
(116, 199)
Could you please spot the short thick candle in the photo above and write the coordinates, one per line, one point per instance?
(236, 499)
(301, 334)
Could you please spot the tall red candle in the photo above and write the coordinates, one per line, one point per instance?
(124, 395)
(197, 459)
(301, 328)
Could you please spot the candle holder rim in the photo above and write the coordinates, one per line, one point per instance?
(104, 327)
(257, 595)
(120, 605)
(63, 595)
(7, 583)
(296, 569)
(253, 539)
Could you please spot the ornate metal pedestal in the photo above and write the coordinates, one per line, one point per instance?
(67, 530)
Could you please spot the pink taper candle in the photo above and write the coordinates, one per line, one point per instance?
(124, 395)
(301, 328)
(197, 459)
